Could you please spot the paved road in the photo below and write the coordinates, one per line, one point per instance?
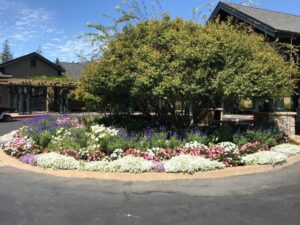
(263, 199)
(6, 127)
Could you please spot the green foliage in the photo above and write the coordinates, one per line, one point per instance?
(72, 139)
(267, 137)
(44, 139)
(120, 143)
(173, 60)
(173, 142)
(198, 137)
(53, 78)
(223, 133)
(157, 140)
(6, 54)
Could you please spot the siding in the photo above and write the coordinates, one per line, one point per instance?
(23, 69)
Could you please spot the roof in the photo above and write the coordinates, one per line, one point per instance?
(269, 21)
(33, 54)
(73, 70)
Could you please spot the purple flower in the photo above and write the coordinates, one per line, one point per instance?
(158, 166)
(28, 159)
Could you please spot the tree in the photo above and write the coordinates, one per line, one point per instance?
(170, 64)
(57, 62)
(6, 54)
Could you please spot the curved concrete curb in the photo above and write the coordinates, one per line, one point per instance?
(234, 171)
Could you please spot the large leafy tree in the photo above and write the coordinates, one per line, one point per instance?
(6, 53)
(163, 65)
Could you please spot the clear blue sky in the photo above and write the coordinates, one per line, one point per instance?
(55, 24)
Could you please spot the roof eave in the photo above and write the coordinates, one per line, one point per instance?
(244, 17)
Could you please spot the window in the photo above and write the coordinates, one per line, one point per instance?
(33, 63)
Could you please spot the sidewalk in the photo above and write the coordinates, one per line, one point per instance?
(23, 116)
(34, 114)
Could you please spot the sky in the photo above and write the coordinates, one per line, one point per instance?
(54, 25)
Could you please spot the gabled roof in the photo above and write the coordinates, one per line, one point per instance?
(33, 54)
(73, 70)
(270, 22)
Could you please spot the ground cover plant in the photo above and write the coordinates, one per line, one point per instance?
(71, 142)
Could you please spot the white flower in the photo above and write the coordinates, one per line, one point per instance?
(288, 149)
(130, 164)
(262, 158)
(57, 161)
(117, 154)
(101, 166)
(190, 164)
(193, 144)
(229, 147)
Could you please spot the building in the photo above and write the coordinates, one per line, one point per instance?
(33, 83)
(285, 27)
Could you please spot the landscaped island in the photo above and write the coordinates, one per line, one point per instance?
(79, 143)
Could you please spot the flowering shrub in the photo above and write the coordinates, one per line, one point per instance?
(19, 146)
(229, 147)
(190, 164)
(138, 153)
(118, 150)
(69, 152)
(100, 135)
(288, 149)
(101, 166)
(72, 139)
(39, 124)
(7, 137)
(69, 121)
(28, 159)
(130, 164)
(193, 144)
(267, 157)
(95, 156)
(57, 161)
(158, 166)
(117, 154)
(251, 148)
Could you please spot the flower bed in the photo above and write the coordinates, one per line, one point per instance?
(69, 143)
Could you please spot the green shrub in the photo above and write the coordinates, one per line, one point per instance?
(156, 140)
(173, 142)
(265, 137)
(72, 138)
(198, 137)
(120, 143)
(223, 133)
(44, 139)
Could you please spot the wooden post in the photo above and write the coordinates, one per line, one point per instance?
(61, 101)
(16, 98)
(28, 100)
(21, 100)
(9, 96)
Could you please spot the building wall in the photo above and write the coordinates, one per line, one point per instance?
(3, 96)
(24, 69)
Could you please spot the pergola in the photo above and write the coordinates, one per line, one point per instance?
(21, 91)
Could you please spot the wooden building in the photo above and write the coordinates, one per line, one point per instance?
(33, 83)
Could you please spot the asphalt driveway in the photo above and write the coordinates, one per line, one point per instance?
(6, 127)
(266, 199)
